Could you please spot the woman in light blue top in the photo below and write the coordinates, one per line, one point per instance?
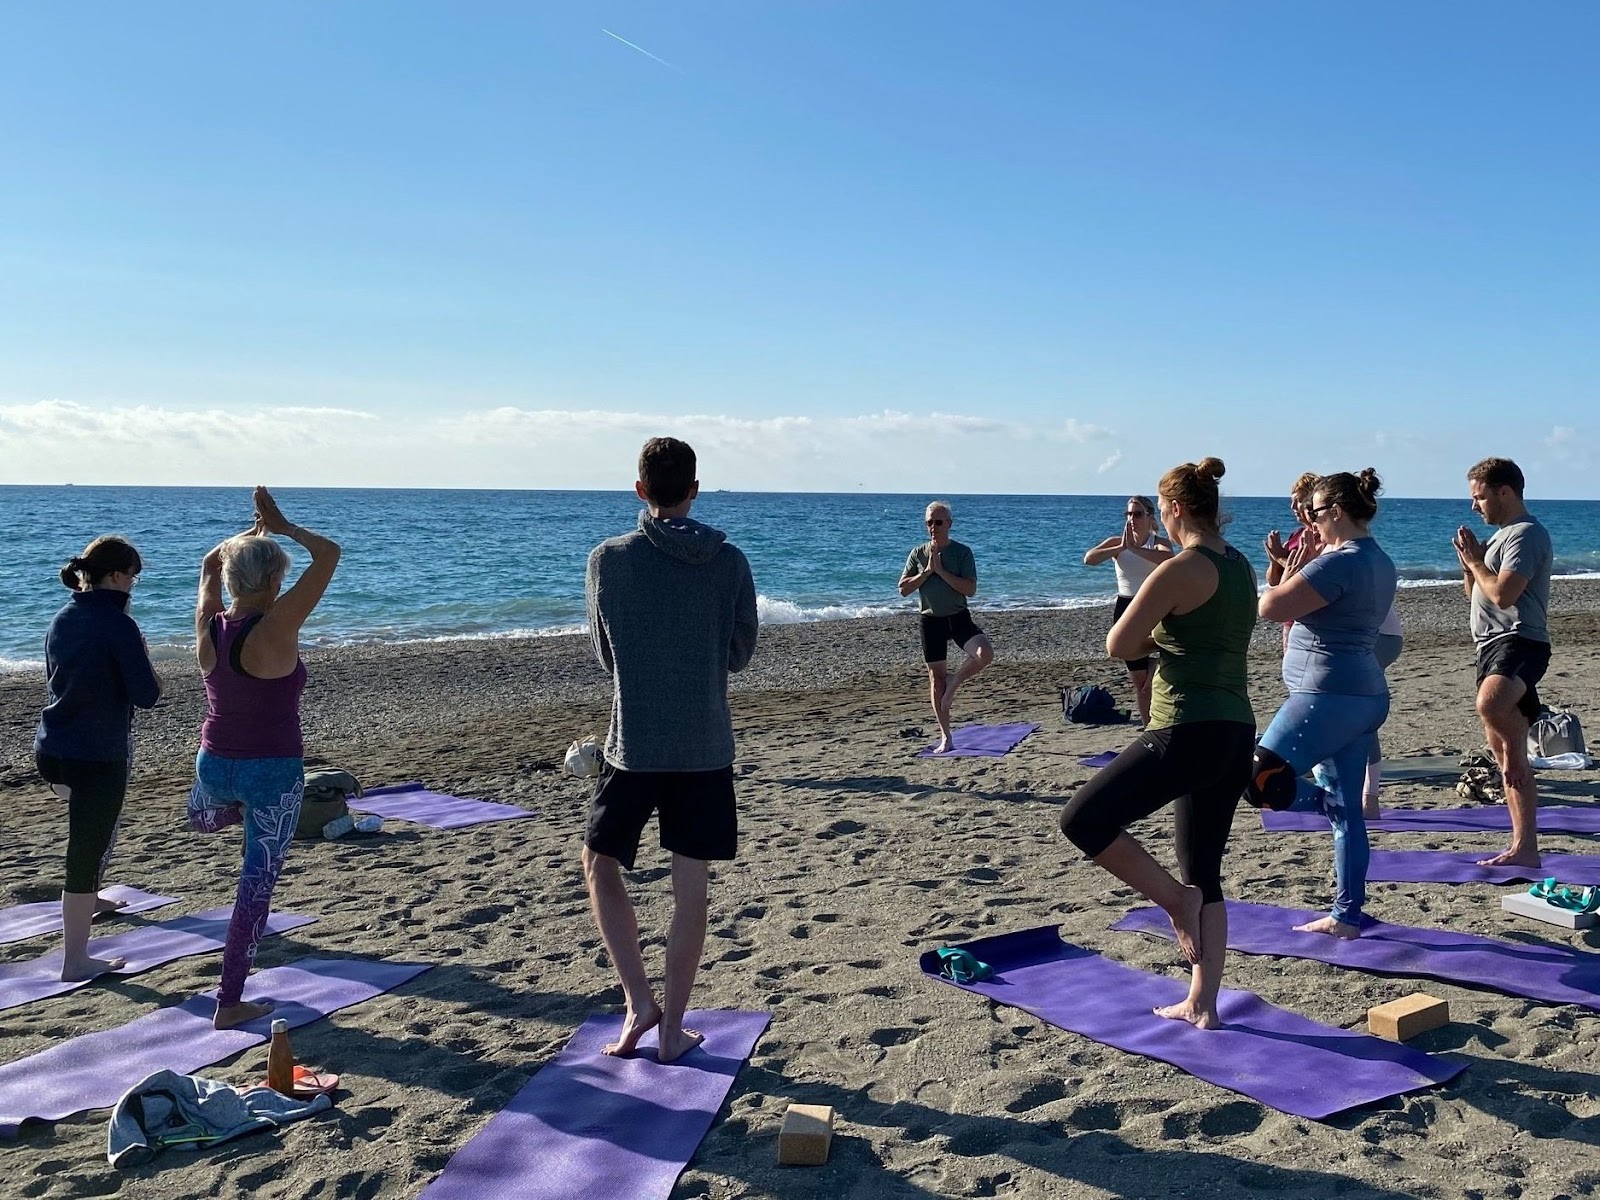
(1338, 696)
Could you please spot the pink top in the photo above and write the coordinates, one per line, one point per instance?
(248, 717)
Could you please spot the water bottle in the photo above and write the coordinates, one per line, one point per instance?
(280, 1060)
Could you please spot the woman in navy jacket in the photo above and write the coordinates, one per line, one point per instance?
(98, 670)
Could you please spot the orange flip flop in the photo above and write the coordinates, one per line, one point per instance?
(309, 1084)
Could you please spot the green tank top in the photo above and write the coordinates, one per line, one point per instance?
(1203, 673)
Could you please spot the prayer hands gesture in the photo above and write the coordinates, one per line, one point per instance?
(1310, 545)
(933, 558)
(1468, 548)
(1276, 550)
(269, 517)
(1130, 540)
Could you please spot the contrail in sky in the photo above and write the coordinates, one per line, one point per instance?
(643, 51)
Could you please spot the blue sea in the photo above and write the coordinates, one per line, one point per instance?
(424, 565)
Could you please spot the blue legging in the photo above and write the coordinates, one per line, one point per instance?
(1337, 732)
(262, 794)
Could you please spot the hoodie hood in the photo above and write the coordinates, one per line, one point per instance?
(684, 539)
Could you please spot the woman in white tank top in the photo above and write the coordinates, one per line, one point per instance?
(1135, 552)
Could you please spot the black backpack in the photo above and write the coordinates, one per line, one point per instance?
(1091, 705)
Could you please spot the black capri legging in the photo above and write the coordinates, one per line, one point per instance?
(1204, 766)
(98, 789)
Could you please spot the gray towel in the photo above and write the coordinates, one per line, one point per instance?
(187, 1112)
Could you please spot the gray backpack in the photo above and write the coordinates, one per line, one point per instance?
(326, 799)
(1556, 733)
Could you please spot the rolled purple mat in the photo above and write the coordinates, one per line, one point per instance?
(1283, 1060)
(592, 1127)
(1482, 818)
(93, 1071)
(1461, 866)
(31, 920)
(982, 741)
(143, 948)
(437, 810)
(1557, 974)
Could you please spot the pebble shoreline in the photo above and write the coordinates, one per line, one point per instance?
(384, 691)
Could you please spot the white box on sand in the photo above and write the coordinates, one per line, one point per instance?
(1525, 905)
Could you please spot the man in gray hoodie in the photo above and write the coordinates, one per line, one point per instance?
(672, 610)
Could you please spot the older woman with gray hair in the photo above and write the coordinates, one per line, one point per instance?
(251, 769)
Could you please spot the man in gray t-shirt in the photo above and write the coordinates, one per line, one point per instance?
(944, 576)
(1508, 583)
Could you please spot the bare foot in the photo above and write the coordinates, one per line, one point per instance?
(946, 744)
(1370, 809)
(102, 905)
(1510, 857)
(1186, 923)
(239, 1014)
(634, 1027)
(78, 969)
(676, 1043)
(1338, 929)
(1200, 1018)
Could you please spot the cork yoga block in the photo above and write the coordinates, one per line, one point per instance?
(806, 1135)
(1402, 1019)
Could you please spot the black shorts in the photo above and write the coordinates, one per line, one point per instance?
(696, 808)
(1204, 766)
(1517, 658)
(1121, 606)
(939, 632)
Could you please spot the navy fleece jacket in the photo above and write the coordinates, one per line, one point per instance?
(97, 671)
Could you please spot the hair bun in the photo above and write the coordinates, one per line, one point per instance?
(1210, 469)
(1369, 483)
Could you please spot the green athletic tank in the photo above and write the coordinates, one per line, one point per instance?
(1203, 673)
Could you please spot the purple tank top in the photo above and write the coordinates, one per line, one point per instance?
(248, 717)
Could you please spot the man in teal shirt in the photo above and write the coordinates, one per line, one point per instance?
(945, 577)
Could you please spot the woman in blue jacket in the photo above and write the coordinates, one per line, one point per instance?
(98, 671)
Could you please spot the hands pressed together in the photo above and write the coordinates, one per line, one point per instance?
(1468, 548)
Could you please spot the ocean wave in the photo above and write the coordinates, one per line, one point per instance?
(1413, 577)
(21, 666)
(772, 611)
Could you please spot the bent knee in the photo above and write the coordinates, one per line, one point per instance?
(1272, 781)
(1090, 836)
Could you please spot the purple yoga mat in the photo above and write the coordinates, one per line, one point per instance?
(1461, 866)
(143, 948)
(30, 920)
(1557, 974)
(1279, 1058)
(1484, 818)
(982, 741)
(93, 1071)
(413, 802)
(589, 1127)
(1104, 759)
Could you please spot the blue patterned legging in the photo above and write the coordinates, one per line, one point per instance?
(263, 794)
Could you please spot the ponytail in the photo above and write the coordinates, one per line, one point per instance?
(101, 557)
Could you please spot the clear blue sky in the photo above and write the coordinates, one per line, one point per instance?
(900, 246)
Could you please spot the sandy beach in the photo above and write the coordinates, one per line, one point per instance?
(855, 857)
